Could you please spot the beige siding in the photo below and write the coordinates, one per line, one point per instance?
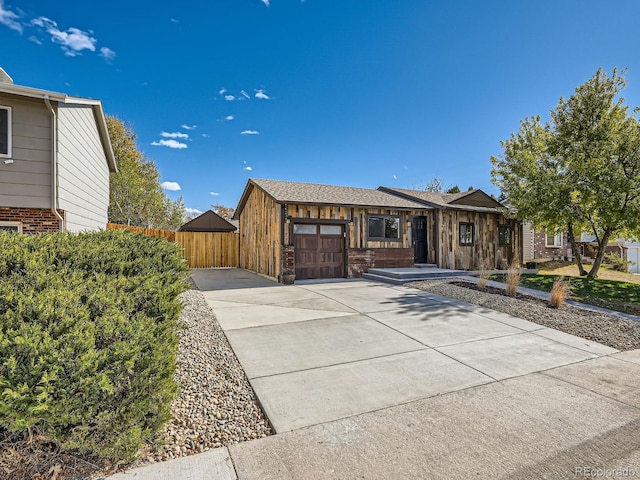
(260, 234)
(27, 181)
(83, 173)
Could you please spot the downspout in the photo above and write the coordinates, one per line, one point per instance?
(54, 158)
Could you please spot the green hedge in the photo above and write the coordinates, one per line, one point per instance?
(88, 337)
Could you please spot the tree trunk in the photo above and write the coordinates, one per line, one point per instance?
(576, 250)
(602, 245)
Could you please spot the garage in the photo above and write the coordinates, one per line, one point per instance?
(319, 250)
(633, 255)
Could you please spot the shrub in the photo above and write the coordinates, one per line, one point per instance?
(617, 262)
(484, 273)
(513, 279)
(559, 292)
(89, 337)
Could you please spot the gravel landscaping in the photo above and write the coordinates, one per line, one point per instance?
(600, 327)
(216, 405)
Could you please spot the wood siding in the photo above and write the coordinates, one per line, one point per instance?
(356, 219)
(83, 172)
(260, 234)
(450, 254)
(27, 182)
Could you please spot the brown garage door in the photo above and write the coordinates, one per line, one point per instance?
(319, 251)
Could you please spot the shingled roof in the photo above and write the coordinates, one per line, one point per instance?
(473, 200)
(313, 194)
(209, 221)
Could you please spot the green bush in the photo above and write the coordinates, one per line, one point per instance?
(617, 262)
(89, 337)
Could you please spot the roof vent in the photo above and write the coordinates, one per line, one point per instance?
(4, 77)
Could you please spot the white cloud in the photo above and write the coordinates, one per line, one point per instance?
(206, 136)
(174, 135)
(189, 127)
(229, 98)
(260, 94)
(228, 118)
(222, 91)
(107, 53)
(215, 194)
(73, 40)
(35, 39)
(193, 211)
(173, 186)
(9, 19)
(174, 20)
(170, 144)
(266, 2)
(248, 168)
(249, 132)
(245, 95)
(395, 178)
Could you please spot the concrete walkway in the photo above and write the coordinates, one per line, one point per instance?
(367, 380)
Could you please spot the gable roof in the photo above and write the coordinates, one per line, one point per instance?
(473, 200)
(209, 221)
(317, 194)
(96, 105)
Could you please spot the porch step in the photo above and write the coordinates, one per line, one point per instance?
(404, 275)
(425, 265)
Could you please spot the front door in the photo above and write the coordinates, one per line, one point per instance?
(319, 251)
(419, 234)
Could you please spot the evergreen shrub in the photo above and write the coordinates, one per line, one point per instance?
(88, 337)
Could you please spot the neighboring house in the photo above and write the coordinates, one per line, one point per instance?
(541, 245)
(633, 255)
(209, 221)
(55, 161)
(325, 231)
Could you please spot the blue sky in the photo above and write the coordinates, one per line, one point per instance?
(353, 93)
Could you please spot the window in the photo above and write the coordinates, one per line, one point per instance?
(384, 227)
(302, 229)
(11, 227)
(5, 131)
(553, 241)
(330, 230)
(466, 234)
(504, 235)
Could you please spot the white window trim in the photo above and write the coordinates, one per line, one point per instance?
(12, 224)
(557, 241)
(9, 133)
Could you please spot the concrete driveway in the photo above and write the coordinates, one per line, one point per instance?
(364, 380)
(322, 351)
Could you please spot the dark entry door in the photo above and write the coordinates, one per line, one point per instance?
(319, 251)
(419, 233)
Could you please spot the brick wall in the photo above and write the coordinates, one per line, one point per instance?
(541, 251)
(34, 220)
(360, 260)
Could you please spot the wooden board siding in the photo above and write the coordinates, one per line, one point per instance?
(356, 219)
(260, 234)
(27, 181)
(450, 254)
(83, 172)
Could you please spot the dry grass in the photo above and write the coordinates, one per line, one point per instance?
(570, 269)
(512, 279)
(559, 292)
(484, 273)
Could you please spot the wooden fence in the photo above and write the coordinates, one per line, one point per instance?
(200, 249)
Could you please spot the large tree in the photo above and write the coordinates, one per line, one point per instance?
(580, 171)
(136, 197)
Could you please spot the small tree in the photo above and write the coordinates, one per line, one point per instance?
(224, 212)
(581, 170)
